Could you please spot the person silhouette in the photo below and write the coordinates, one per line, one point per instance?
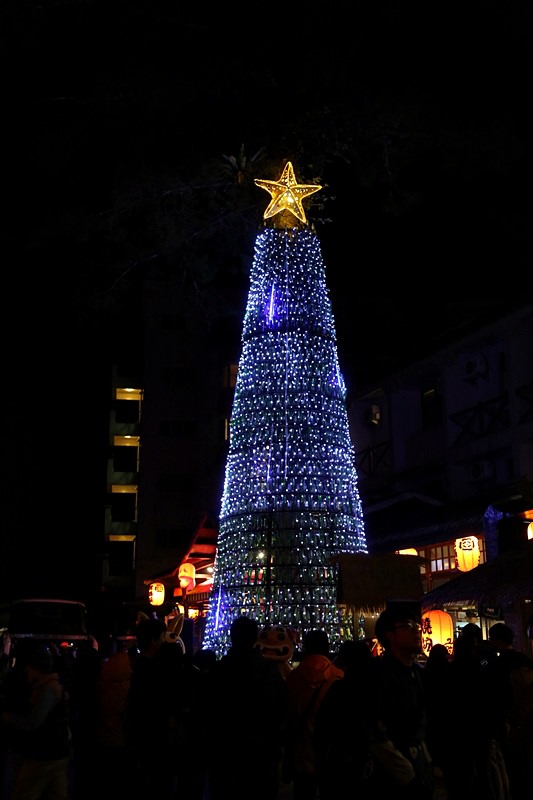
(248, 717)
(340, 737)
(436, 677)
(403, 766)
(473, 727)
(113, 769)
(307, 685)
(510, 680)
(44, 742)
(147, 718)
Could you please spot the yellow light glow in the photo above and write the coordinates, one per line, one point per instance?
(156, 594)
(128, 394)
(467, 553)
(187, 576)
(287, 194)
(437, 628)
(126, 441)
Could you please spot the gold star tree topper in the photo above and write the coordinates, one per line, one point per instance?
(287, 194)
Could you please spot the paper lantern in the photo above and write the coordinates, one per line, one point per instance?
(467, 553)
(437, 628)
(156, 594)
(187, 576)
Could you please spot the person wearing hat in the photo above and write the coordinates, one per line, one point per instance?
(397, 718)
(44, 746)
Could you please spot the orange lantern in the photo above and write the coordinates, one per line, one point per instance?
(467, 553)
(437, 628)
(187, 576)
(156, 594)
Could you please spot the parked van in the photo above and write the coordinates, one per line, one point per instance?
(62, 623)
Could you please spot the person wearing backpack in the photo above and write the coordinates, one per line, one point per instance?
(510, 674)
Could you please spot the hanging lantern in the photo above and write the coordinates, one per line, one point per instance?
(156, 594)
(437, 628)
(467, 553)
(187, 576)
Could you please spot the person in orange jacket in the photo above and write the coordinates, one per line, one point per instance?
(307, 684)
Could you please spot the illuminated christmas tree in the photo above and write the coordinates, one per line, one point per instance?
(290, 501)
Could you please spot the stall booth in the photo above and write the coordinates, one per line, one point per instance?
(498, 590)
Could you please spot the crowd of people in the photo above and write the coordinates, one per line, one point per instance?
(144, 717)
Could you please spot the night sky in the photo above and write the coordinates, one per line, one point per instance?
(119, 119)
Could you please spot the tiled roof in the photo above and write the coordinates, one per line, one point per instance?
(497, 582)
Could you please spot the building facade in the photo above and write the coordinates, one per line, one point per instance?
(445, 454)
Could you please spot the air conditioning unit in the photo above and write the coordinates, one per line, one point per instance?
(481, 470)
(475, 367)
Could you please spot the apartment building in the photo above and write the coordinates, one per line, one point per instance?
(445, 454)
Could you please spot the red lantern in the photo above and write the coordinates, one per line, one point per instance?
(437, 628)
(467, 553)
(156, 594)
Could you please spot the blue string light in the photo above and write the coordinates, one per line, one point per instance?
(290, 500)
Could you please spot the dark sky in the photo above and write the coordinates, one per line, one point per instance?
(415, 119)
